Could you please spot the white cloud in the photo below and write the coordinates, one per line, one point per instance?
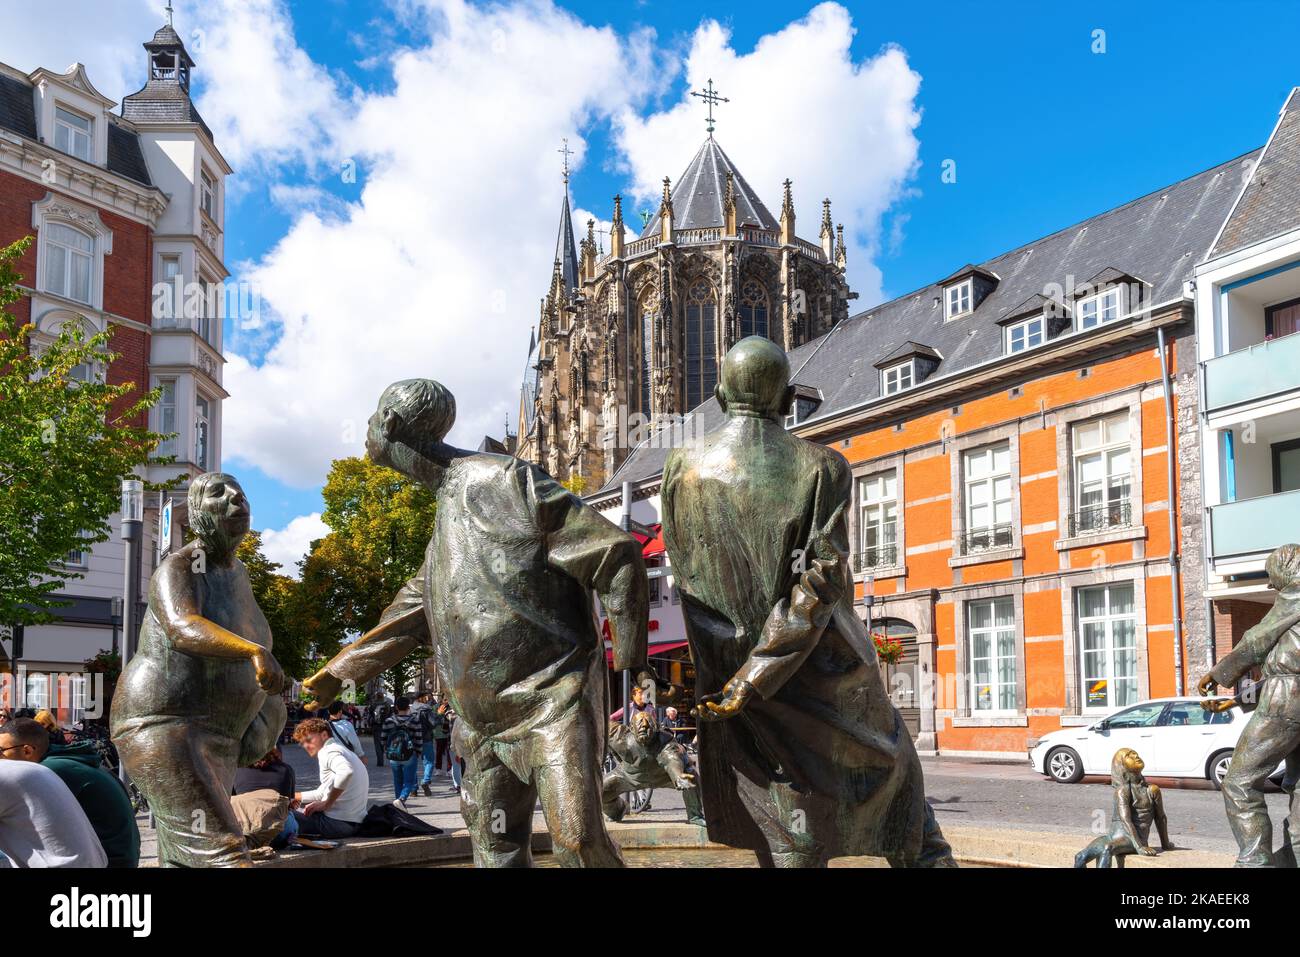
(290, 544)
(437, 268)
(800, 107)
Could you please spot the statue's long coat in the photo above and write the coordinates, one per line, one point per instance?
(744, 510)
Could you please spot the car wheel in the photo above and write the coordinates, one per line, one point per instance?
(1064, 766)
(1218, 767)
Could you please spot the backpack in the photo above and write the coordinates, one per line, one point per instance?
(401, 746)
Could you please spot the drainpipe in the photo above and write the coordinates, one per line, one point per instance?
(626, 525)
(1171, 457)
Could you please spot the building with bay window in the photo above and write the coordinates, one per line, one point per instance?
(127, 210)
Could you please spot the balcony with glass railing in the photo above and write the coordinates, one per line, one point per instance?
(1254, 526)
(1259, 371)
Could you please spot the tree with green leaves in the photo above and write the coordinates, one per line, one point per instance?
(67, 439)
(299, 640)
(380, 524)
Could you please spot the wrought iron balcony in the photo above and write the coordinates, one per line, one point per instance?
(985, 539)
(1100, 518)
(875, 556)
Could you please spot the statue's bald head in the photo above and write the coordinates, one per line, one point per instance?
(755, 379)
(1283, 567)
(417, 413)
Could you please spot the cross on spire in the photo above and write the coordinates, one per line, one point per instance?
(567, 154)
(710, 96)
(169, 13)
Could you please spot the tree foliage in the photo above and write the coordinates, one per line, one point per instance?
(299, 642)
(66, 443)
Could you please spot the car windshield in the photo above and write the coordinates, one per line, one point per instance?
(1142, 716)
(1190, 714)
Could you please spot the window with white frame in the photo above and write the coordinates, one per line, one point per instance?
(991, 628)
(1103, 307)
(202, 426)
(166, 412)
(1108, 645)
(878, 520)
(957, 299)
(208, 194)
(69, 262)
(173, 296)
(1103, 473)
(988, 497)
(76, 557)
(1026, 335)
(899, 377)
(72, 133)
(77, 687)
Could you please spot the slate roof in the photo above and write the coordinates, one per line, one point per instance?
(1270, 203)
(698, 193)
(1158, 239)
(162, 101)
(17, 106)
(565, 249)
(18, 115)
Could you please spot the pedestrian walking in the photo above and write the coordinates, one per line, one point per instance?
(403, 739)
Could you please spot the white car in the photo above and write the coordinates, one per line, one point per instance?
(1176, 738)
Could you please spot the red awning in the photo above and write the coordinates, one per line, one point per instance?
(655, 650)
(651, 545)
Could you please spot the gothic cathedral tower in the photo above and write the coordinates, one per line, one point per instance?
(638, 334)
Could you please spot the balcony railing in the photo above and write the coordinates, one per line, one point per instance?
(977, 540)
(875, 556)
(1253, 526)
(1100, 518)
(1255, 372)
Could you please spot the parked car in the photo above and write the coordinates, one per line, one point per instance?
(1176, 738)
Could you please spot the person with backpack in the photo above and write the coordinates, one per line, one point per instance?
(425, 713)
(403, 741)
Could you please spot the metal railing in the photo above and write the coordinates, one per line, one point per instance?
(1099, 518)
(976, 540)
(875, 556)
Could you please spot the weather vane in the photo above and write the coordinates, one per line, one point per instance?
(710, 96)
(567, 153)
(169, 13)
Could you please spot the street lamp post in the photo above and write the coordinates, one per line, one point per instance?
(132, 533)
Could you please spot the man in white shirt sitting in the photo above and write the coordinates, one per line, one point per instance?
(337, 807)
(41, 823)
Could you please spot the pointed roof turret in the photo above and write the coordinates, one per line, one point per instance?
(697, 199)
(165, 97)
(566, 249)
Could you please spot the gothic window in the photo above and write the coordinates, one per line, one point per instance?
(701, 343)
(753, 309)
(646, 309)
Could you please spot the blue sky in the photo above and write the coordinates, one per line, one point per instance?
(432, 261)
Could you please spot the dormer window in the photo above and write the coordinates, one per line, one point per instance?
(806, 401)
(899, 377)
(72, 133)
(957, 299)
(1103, 307)
(1025, 335)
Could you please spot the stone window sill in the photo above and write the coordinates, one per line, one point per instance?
(1132, 533)
(991, 721)
(885, 571)
(992, 555)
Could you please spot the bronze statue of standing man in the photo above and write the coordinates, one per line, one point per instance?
(200, 698)
(504, 598)
(802, 756)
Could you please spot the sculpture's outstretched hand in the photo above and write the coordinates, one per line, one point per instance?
(270, 677)
(684, 782)
(324, 688)
(1206, 687)
(719, 707)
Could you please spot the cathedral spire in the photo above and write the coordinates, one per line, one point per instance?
(616, 230)
(666, 213)
(841, 254)
(787, 216)
(566, 252)
(828, 231)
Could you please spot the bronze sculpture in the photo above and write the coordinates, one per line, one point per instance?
(802, 755)
(648, 758)
(504, 598)
(1273, 734)
(200, 698)
(1137, 806)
